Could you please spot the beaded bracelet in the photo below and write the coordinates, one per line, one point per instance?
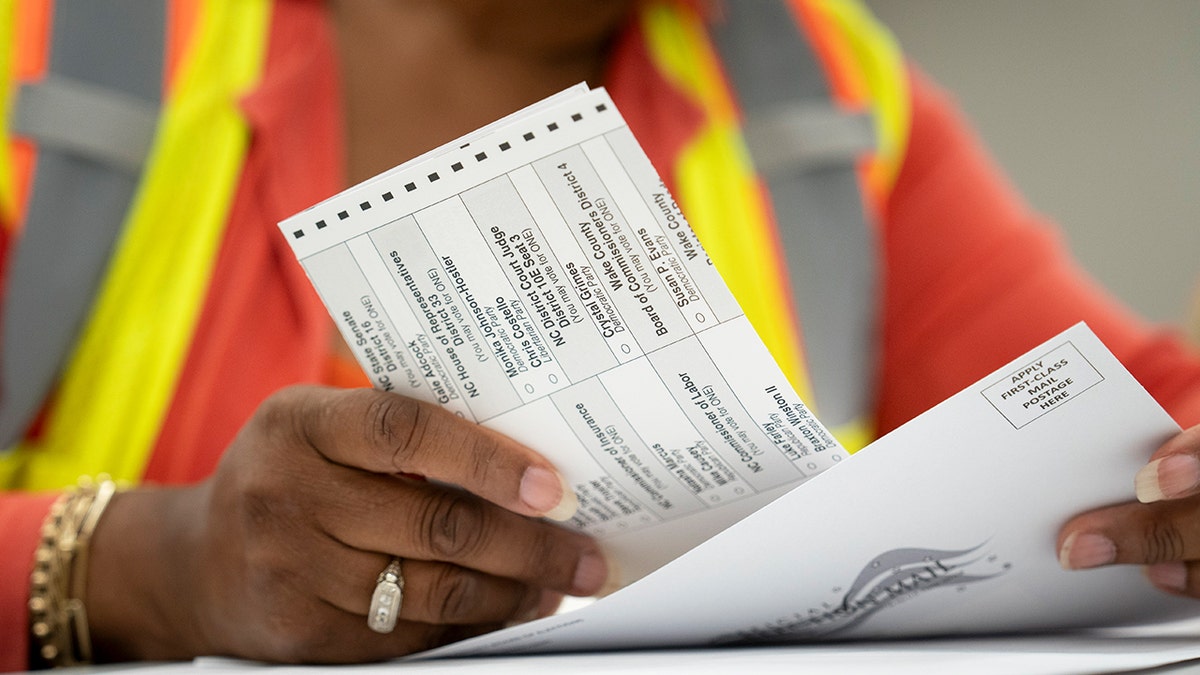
(57, 617)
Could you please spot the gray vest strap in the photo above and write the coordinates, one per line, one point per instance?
(99, 123)
(93, 119)
(807, 136)
(805, 150)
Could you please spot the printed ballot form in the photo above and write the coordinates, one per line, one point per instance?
(537, 277)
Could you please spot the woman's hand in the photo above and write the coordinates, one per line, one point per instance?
(276, 556)
(1161, 532)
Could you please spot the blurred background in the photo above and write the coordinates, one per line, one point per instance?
(1093, 109)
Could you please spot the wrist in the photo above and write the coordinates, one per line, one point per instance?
(140, 581)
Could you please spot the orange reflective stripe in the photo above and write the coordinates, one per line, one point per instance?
(32, 23)
(846, 82)
(181, 22)
(26, 27)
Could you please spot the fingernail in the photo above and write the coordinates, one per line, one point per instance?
(1169, 576)
(1081, 551)
(1167, 478)
(590, 574)
(547, 493)
(612, 585)
(568, 505)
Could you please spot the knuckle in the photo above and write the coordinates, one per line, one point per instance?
(396, 423)
(257, 508)
(453, 526)
(484, 457)
(1162, 542)
(288, 633)
(270, 569)
(281, 422)
(245, 495)
(264, 501)
(268, 518)
(274, 409)
(278, 411)
(455, 595)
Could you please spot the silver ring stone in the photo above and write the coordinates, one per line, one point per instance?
(385, 602)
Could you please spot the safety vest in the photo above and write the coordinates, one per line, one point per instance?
(115, 386)
(845, 127)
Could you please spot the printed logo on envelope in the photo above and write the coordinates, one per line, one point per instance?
(892, 577)
(1042, 385)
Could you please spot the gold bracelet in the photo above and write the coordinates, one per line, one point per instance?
(57, 616)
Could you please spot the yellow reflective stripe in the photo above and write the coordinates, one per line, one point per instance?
(720, 192)
(119, 383)
(876, 56)
(678, 43)
(8, 48)
(854, 435)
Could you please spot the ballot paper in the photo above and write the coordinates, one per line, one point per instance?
(537, 277)
(944, 526)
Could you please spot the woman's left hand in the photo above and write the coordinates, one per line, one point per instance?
(1161, 530)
